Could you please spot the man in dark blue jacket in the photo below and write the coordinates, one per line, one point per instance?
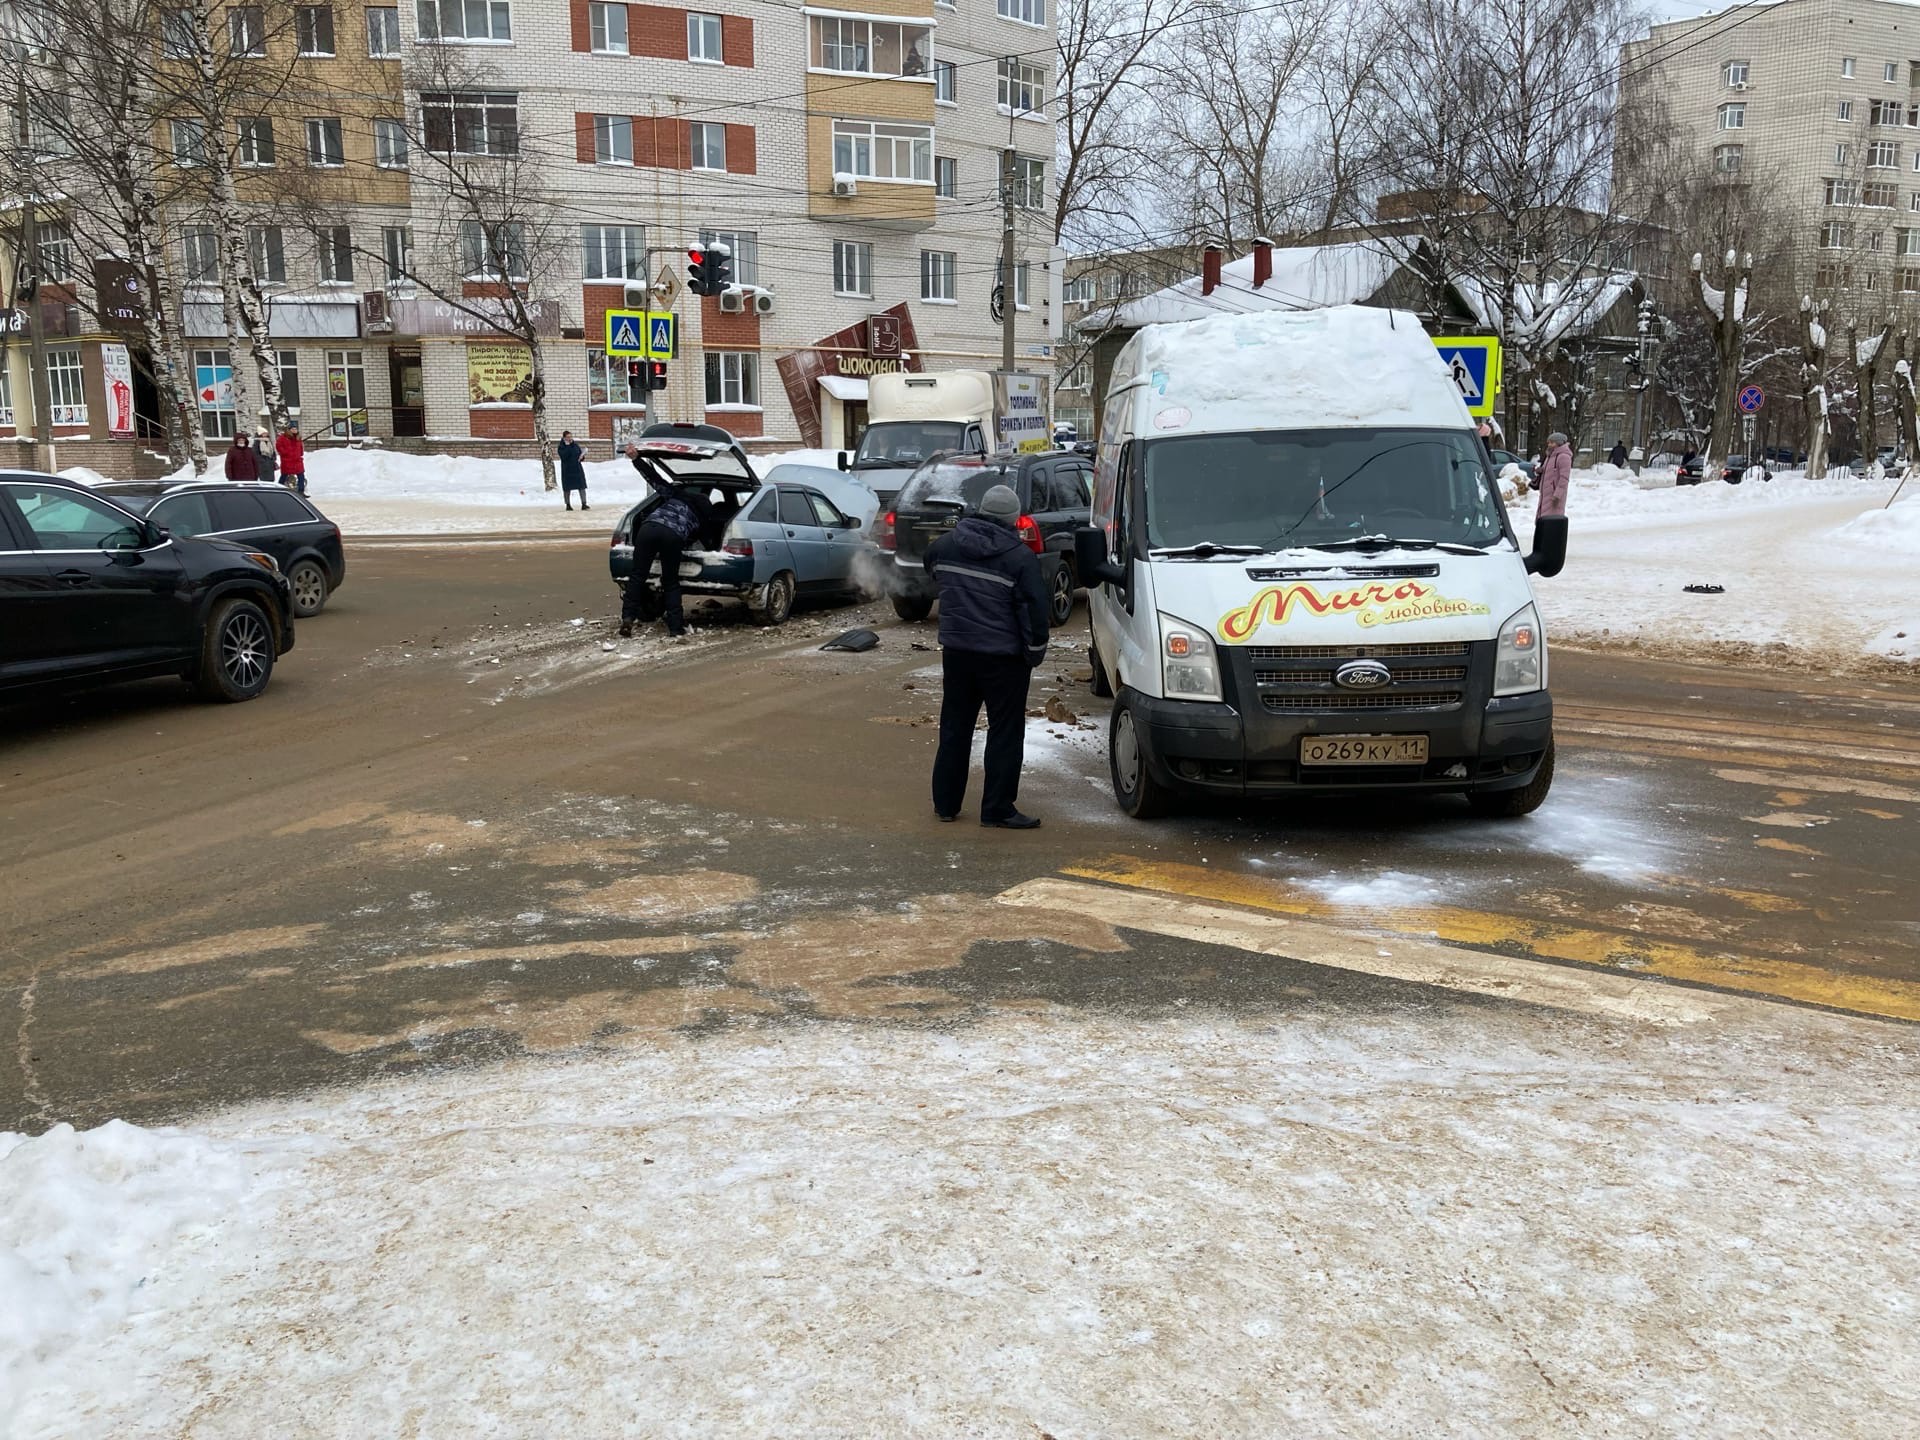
(679, 518)
(993, 631)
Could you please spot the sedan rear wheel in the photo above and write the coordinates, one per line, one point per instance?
(309, 584)
(1060, 601)
(772, 603)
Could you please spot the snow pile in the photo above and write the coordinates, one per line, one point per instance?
(1894, 529)
(98, 1227)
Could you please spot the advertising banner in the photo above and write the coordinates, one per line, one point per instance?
(1022, 407)
(499, 374)
(214, 385)
(117, 367)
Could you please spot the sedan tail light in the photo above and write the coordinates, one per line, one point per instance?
(1029, 533)
(738, 547)
(883, 535)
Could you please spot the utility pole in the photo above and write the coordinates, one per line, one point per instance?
(1007, 308)
(1642, 381)
(30, 296)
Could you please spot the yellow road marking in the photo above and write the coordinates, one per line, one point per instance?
(1616, 951)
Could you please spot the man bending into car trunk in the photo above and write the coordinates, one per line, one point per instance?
(993, 631)
(680, 517)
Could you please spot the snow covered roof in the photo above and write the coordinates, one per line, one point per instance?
(1305, 277)
(1553, 310)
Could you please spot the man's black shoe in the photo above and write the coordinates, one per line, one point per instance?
(1013, 821)
(945, 819)
(626, 629)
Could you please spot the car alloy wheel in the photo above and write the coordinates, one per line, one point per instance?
(244, 648)
(309, 588)
(1061, 608)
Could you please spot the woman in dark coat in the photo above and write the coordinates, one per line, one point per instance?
(573, 471)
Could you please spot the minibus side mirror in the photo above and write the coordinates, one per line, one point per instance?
(1090, 558)
(1549, 546)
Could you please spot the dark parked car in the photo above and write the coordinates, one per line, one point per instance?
(1056, 498)
(1503, 458)
(1690, 471)
(769, 542)
(261, 517)
(1734, 469)
(92, 592)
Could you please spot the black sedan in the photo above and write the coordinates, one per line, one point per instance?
(261, 517)
(91, 592)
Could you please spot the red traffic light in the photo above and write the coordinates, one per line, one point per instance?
(697, 255)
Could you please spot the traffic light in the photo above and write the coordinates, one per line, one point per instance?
(700, 272)
(637, 373)
(656, 374)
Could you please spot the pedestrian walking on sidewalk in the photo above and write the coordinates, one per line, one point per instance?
(993, 632)
(1556, 472)
(1617, 457)
(241, 464)
(573, 471)
(293, 458)
(266, 459)
(680, 517)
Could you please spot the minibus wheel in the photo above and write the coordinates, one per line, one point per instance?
(1139, 794)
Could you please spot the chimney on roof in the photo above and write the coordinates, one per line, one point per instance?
(1262, 260)
(1210, 256)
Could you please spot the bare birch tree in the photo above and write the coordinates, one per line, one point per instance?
(1725, 307)
(1815, 338)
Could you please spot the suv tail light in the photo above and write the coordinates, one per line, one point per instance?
(1029, 533)
(738, 547)
(883, 535)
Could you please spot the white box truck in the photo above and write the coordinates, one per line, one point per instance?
(911, 418)
(1301, 575)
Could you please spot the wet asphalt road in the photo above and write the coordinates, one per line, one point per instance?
(459, 827)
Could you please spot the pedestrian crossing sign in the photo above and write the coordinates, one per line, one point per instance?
(660, 337)
(1474, 363)
(626, 334)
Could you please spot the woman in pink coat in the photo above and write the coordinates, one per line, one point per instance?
(1555, 473)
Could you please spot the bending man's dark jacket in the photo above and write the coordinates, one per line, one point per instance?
(684, 511)
(992, 600)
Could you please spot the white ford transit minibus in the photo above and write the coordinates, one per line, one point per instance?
(1301, 576)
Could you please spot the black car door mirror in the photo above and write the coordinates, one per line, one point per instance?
(1091, 560)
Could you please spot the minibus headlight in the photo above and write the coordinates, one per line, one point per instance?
(1189, 663)
(1520, 664)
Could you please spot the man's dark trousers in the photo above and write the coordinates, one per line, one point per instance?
(999, 682)
(652, 541)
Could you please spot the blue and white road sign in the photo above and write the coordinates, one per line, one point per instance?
(1474, 362)
(1752, 397)
(626, 334)
(659, 336)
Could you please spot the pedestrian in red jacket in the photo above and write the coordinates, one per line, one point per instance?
(241, 464)
(293, 458)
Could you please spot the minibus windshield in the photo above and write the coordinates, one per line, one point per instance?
(1308, 489)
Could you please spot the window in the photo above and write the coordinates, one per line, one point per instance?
(1727, 159)
(1027, 12)
(256, 141)
(471, 122)
(383, 32)
(1886, 112)
(1733, 117)
(56, 249)
(733, 378)
(1883, 155)
(267, 254)
(334, 245)
(745, 245)
(611, 383)
(1023, 87)
(708, 140)
(1846, 68)
(1845, 111)
(608, 25)
(179, 36)
(289, 363)
(1734, 74)
(396, 246)
(852, 268)
(346, 393)
(313, 25)
(324, 146)
(946, 83)
(189, 143)
(468, 20)
(247, 31)
(1873, 240)
(49, 125)
(1080, 377)
(1842, 153)
(883, 152)
(703, 37)
(1890, 72)
(946, 176)
(213, 380)
(390, 144)
(1020, 274)
(612, 140)
(870, 47)
(202, 246)
(1841, 192)
(937, 274)
(1029, 183)
(1914, 203)
(493, 251)
(1836, 235)
(1833, 275)
(1079, 291)
(1906, 281)
(613, 252)
(1880, 195)
(62, 520)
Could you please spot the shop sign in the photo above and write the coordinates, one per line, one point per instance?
(499, 375)
(116, 367)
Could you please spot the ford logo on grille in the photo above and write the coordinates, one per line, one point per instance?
(1362, 675)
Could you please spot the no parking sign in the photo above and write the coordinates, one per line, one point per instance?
(1752, 397)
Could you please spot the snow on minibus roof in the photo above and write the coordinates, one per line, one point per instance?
(1294, 370)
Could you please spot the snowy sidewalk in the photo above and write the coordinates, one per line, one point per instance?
(1456, 1222)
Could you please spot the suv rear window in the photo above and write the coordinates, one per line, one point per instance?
(236, 510)
(283, 507)
(967, 484)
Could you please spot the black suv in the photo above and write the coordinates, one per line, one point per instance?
(1056, 498)
(261, 517)
(91, 592)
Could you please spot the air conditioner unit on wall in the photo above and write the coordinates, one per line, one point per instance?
(762, 303)
(733, 301)
(845, 185)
